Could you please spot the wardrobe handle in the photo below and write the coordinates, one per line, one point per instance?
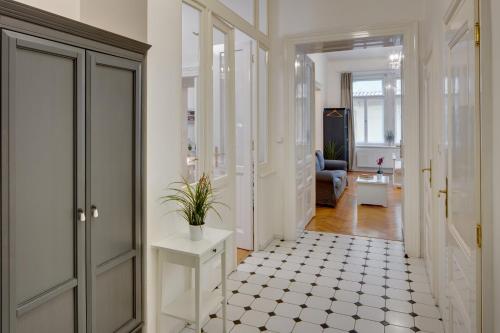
(95, 212)
(81, 215)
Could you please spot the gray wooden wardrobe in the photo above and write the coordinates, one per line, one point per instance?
(71, 176)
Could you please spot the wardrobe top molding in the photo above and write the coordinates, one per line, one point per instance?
(29, 14)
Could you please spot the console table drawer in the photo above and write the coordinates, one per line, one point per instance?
(214, 251)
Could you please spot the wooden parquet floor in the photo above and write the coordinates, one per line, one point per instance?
(242, 255)
(360, 220)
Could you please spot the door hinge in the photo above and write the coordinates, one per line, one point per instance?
(477, 34)
(430, 172)
(253, 58)
(479, 235)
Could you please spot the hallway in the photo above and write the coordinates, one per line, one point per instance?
(330, 283)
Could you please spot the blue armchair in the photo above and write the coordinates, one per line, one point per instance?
(331, 180)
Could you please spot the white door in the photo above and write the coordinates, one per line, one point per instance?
(304, 133)
(427, 209)
(463, 252)
(244, 107)
(220, 127)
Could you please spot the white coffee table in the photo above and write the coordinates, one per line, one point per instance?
(373, 190)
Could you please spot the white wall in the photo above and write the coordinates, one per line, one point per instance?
(164, 164)
(124, 17)
(66, 8)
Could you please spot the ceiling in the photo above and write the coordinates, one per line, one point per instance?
(366, 53)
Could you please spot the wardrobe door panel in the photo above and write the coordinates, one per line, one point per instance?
(113, 140)
(43, 124)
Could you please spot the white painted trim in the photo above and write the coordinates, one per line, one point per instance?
(237, 21)
(489, 252)
(452, 8)
(411, 199)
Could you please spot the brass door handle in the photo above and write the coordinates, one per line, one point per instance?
(445, 193)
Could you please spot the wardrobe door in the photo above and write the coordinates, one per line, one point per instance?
(42, 165)
(113, 148)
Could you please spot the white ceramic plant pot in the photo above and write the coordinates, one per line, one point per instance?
(196, 232)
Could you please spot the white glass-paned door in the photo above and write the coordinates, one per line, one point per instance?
(190, 87)
(244, 113)
(220, 98)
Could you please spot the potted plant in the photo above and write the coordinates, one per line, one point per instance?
(380, 161)
(194, 201)
(332, 151)
(389, 137)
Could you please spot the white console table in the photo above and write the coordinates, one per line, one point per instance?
(194, 305)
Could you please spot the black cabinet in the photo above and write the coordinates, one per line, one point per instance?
(336, 133)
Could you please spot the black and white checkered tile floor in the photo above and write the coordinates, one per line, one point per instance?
(330, 283)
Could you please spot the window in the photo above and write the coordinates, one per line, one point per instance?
(263, 107)
(377, 109)
(220, 97)
(263, 16)
(244, 8)
(190, 86)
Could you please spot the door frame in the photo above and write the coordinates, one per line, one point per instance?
(487, 168)
(411, 198)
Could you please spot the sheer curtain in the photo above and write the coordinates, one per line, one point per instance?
(346, 102)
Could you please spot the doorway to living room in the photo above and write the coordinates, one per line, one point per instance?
(358, 140)
(360, 110)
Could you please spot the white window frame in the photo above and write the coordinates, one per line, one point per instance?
(256, 15)
(389, 96)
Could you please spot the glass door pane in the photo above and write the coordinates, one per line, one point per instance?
(244, 8)
(375, 120)
(190, 86)
(220, 98)
(263, 16)
(359, 119)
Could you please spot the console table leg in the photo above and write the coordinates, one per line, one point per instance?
(224, 290)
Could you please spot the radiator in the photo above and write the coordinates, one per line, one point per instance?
(367, 157)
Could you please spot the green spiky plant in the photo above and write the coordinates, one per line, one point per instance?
(331, 151)
(194, 201)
